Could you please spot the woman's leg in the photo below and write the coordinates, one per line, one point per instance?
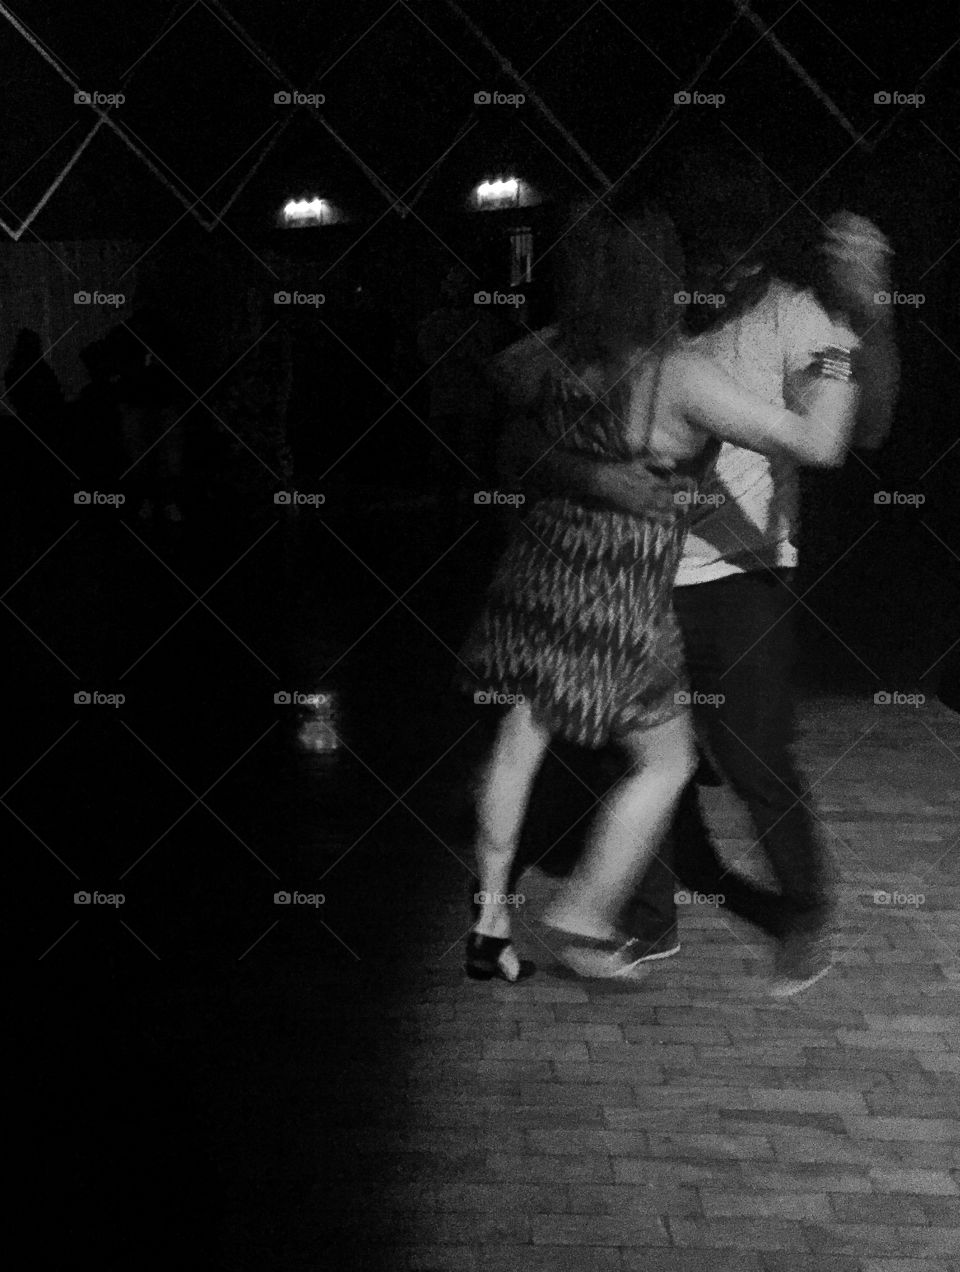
(632, 821)
(504, 792)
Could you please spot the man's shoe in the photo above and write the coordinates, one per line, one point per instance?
(803, 957)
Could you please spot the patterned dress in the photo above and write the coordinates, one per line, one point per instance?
(578, 620)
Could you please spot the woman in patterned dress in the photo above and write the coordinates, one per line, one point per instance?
(577, 633)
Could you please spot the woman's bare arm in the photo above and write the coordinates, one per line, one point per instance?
(816, 434)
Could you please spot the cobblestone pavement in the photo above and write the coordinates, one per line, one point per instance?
(690, 1120)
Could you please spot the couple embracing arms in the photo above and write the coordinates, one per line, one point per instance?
(659, 459)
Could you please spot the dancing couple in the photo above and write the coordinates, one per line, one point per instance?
(578, 621)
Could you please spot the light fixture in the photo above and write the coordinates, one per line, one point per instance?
(313, 211)
(504, 192)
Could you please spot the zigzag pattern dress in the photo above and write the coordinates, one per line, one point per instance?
(578, 620)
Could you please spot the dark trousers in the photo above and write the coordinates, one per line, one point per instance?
(739, 640)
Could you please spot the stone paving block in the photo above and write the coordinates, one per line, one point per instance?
(932, 1183)
(836, 1080)
(917, 1155)
(717, 1174)
(893, 1061)
(574, 1094)
(611, 1230)
(925, 1130)
(654, 1260)
(739, 1234)
(878, 1240)
(641, 1053)
(722, 1147)
(776, 1261)
(549, 1258)
(660, 1033)
(832, 1150)
(720, 1077)
(577, 1139)
(888, 1039)
(527, 1012)
(765, 1205)
(895, 1210)
(933, 1062)
(639, 1198)
(558, 1168)
(618, 1014)
(579, 1031)
(800, 1101)
(894, 1103)
(804, 1177)
(457, 1031)
(537, 1049)
(608, 1072)
(772, 1124)
(905, 1265)
(914, 1024)
(539, 991)
(681, 1095)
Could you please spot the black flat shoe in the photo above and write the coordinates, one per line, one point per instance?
(485, 959)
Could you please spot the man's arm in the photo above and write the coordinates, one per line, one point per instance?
(528, 462)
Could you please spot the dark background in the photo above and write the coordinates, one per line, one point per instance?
(189, 1067)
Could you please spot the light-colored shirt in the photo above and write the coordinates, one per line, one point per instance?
(756, 523)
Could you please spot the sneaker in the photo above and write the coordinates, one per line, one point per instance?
(604, 960)
(802, 958)
(653, 948)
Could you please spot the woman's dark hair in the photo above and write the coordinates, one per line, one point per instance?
(617, 278)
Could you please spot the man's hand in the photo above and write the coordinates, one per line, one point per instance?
(528, 461)
(632, 487)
